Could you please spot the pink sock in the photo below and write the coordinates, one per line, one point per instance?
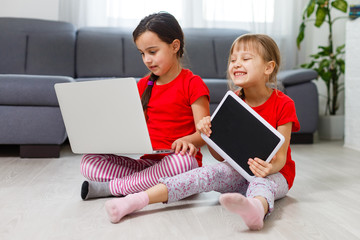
(250, 209)
(119, 207)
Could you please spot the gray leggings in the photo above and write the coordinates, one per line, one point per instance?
(221, 177)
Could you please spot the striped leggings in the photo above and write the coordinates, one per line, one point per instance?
(126, 175)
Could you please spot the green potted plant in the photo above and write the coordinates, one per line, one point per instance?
(328, 62)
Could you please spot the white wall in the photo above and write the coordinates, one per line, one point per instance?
(42, 9)
(352, 86)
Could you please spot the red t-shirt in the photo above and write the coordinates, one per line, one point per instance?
(169, 113)
(278, 110)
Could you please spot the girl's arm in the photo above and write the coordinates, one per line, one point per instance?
(215, 154)
(204, 126)
(200, 109)
(260, 168)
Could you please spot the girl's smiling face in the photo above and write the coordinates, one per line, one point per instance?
(246, 67)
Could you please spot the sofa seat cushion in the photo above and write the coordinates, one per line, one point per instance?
(29, 90)
(31, 125)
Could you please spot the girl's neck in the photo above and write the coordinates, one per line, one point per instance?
(257, 97)
(170, 75)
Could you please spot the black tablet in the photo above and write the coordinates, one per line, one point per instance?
(240, 133)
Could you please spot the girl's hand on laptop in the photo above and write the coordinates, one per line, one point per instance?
(181, 146)
(204, 126)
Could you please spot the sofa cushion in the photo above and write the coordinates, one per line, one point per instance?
(34, 46)
(13, 53)
(306, 100)
(199, 56)
(222, 50)
(51, 54)
(133, 64)
(99, 53)
(29, 90)
(31, 125)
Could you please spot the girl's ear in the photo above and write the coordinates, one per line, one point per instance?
(176, 45)
(269, 67)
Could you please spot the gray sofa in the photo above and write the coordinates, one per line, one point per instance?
(36, 54)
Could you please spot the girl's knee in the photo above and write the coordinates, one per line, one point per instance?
(191, 162)
(87, 162)
(259, 184)
(182, 163)
(88, 157)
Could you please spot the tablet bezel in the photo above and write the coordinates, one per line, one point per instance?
(224, 155)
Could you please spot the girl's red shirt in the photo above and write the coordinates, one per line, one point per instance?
(169, 113)
(279, 109)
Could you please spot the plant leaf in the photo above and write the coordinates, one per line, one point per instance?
(341, 64)
(311, 64)
(325, 63)
(301, 35)
(326, 76)
(320, 15)
(340, 48)
(307, 65)
(315, 56)
(340, 5)
(310, 8)
(326, 51)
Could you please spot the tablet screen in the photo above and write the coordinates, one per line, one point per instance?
(240, 134)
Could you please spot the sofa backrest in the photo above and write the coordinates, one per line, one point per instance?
(43, 47)
(32, 46)
(207, 50)
(107, 52)
(110, 52)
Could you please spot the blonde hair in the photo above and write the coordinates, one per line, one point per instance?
(266, 47)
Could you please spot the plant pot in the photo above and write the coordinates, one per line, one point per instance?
(331, 127)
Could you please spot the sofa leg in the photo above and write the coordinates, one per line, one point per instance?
(302, 138)
(40, 151)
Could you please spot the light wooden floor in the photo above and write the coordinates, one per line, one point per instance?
(40, 199)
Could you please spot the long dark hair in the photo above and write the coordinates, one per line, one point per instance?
(167, 28)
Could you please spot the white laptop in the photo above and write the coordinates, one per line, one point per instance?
(240, 133)
(105, 117)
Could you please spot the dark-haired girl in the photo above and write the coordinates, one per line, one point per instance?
(173, 99)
